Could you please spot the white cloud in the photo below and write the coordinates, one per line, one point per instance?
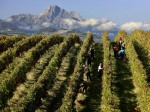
(24, 27)
(9, 20)
(36, 27)
(130, 26)
(104, 20)
(107, 26)
(46, 24)
(91, 24)
(146, 26)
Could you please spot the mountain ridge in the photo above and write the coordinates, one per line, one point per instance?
(52, 16)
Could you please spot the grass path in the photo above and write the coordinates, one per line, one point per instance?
(143, 56)
(94, 91)
(31, 78)
(53, 96)
(125, 90)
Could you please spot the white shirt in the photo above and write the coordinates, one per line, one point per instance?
(99, 67)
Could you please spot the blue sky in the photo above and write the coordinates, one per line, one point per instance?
(118, 11)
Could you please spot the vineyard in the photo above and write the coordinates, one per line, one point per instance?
(43, 73)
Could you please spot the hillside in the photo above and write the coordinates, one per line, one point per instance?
(44, 73)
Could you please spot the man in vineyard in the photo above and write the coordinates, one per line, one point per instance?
(120, 43)
(92, 53)
(100, 70)
(121, 54)
(89, 59)
(87, 72)
(83, 86)
(123, 46)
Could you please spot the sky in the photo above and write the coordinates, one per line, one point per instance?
(117, 11)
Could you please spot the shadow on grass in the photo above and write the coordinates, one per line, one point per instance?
(143, 56)
(122, 80)
(58, 100)
(94, 92)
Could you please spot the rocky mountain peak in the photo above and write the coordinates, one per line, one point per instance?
(52, 16)
(76, 15)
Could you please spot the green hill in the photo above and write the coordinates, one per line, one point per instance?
(44, 73)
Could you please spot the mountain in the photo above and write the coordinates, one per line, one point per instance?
(21, 21)
(6, 26)
(47, 30)
(52, 17)
(76, 16)
(52, 14)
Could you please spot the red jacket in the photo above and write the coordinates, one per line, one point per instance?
(115, 48)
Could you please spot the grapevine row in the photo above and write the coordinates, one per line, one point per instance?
(31, 78)
(21, 46)
(73, 83)
(139, 78)
(139, 74)
(2, 37)
(110, 101)
(9, 41)
(18, 74)
(124, 79)
(142, 45)
(143, 39)
(36, 91)
(54, 93)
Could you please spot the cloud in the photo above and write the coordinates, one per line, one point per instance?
(36, 27)
(24, 27)
(90, 24)
(103, 24)
(46, 24)
(103, 20)
(9, 19)
(106, 26)
(130, 26)
(146, 26)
